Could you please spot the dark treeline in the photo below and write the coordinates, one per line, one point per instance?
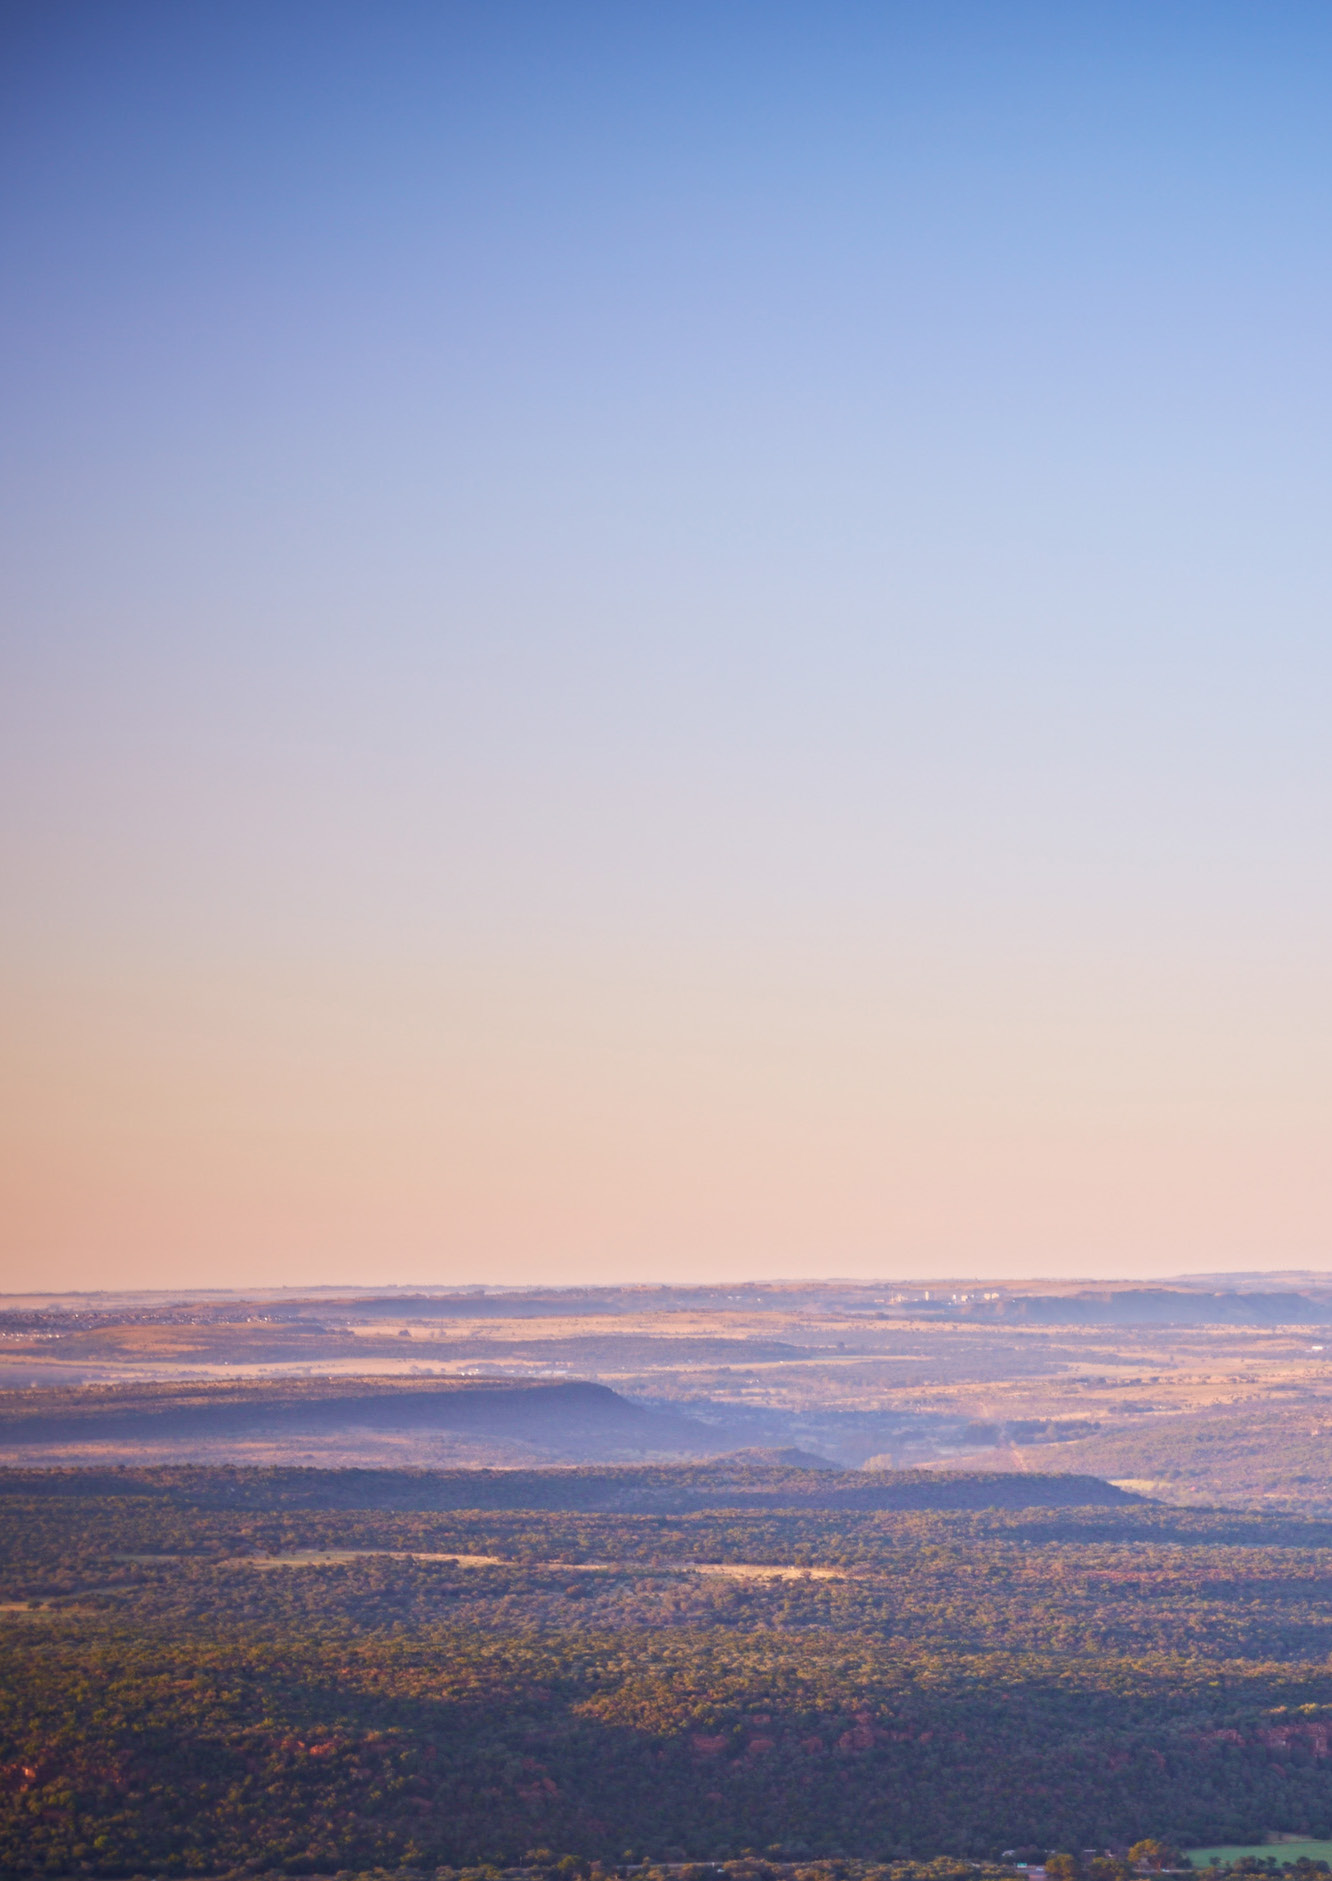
(677, 1488)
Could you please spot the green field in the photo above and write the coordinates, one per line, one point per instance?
(1282, 1851)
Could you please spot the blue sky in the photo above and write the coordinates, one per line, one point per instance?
(648, 636)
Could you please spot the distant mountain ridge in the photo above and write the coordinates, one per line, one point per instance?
(1145, 1306)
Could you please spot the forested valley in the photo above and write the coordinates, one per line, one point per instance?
(207, 1671)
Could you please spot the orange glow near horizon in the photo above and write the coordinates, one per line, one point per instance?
(663, 643)
(514, 1126)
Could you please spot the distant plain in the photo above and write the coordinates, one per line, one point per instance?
(1192, 1392)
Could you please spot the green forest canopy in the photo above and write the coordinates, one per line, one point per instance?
(957, 1682)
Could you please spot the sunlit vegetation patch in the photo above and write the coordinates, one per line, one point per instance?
(965, 1683)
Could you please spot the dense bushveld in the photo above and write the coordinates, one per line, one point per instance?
(954, 1682)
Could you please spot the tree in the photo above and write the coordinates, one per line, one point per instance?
(1152, 1853)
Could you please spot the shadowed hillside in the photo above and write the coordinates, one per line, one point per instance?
(552, 1419)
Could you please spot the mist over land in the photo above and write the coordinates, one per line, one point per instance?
(1194, 1391)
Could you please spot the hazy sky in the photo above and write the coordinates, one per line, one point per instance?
(661, 640)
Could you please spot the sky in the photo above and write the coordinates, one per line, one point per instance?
(664, 641)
